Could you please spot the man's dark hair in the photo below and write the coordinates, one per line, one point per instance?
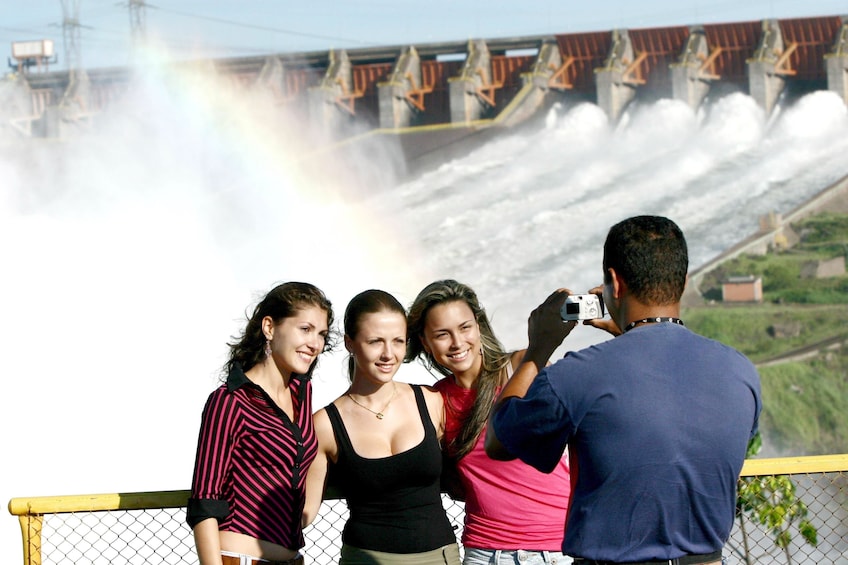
(649, 253)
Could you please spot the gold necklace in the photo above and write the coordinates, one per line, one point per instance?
(380, 415)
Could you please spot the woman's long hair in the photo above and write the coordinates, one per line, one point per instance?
(283, 301)
(494, 371)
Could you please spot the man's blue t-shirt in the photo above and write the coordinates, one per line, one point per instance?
(659, 421)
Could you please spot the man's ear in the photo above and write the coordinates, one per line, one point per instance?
(619, 287)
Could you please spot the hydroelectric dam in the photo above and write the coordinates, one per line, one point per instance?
(142, 210)
(447, 97)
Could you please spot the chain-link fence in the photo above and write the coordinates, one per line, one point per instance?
(155, 535)
(793, 519)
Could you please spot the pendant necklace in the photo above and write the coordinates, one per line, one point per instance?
(381, 414)
(653, 320)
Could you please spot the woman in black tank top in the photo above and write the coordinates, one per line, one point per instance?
(380, 441)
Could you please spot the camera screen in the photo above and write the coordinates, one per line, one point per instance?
(572, 307)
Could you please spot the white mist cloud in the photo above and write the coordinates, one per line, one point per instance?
(131, 250)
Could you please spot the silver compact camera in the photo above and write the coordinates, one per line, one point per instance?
(582, 307)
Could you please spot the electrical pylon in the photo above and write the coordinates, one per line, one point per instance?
(138, 24)
(71, 35)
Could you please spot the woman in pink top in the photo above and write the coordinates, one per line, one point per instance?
(507, 521)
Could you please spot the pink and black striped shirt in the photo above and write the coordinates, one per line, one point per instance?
(252, 459)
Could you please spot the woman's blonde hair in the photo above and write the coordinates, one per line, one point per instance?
(495, 368)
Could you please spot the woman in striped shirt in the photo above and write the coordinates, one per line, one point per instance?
(256, 435)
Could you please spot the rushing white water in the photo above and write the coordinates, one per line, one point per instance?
(527, 214)
(131, 253)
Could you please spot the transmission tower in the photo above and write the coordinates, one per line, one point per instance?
(138, 25)
(75, 100)
(71, 36)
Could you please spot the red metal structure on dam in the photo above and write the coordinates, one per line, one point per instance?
(479, 83)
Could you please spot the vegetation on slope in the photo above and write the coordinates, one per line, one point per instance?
(806, 405)
(806, 397)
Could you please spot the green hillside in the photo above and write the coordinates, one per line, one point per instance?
(797, 336)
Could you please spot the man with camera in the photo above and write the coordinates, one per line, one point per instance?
(657, 420)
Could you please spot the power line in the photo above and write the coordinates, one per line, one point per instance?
(261, 28)
(116, 38)
(20, 30)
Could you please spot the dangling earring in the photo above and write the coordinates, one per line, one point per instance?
(267, 348)
(429, 364)
(351, 367)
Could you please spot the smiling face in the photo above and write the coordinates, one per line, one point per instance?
(452, 336)
(296, 341)
(378, 347)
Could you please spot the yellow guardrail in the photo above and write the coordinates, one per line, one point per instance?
(795, 465)
(32, 511)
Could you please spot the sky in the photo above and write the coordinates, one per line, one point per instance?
(189, 29)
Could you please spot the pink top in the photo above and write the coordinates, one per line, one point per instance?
(508, 504)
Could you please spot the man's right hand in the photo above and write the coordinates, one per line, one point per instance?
(546, 329)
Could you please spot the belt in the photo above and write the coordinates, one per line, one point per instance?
(232, 560)
(714, 557)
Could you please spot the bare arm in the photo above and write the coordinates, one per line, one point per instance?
(316, 478)
(208, 542)
(515, 359)
(546, 330)
(436, 408)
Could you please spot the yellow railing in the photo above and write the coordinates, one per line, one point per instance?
(149, 527)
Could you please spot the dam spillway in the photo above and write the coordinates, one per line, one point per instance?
(464, 87)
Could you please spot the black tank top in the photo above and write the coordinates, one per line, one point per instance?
(395, 503)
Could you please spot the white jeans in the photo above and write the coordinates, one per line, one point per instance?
(475, 556)
(246, 559)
